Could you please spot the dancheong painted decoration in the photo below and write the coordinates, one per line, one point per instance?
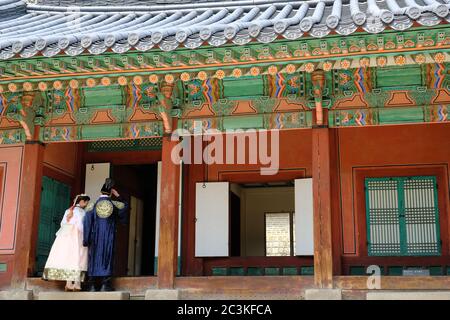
(314, 151)
(87, 72)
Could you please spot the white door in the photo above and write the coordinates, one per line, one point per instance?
(96, 174)
(304, 228)
(211, 213)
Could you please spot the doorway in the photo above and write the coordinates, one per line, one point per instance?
(266, 212)
(135, 242)
(261, 228)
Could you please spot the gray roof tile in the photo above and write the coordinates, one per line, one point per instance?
(141, 25)
(117, 2)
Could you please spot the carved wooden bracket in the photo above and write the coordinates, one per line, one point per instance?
(25, 112)
(28, 113)
(165, 98)
(318, 81)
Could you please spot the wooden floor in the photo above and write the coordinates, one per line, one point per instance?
(134, 285)
(258, 287)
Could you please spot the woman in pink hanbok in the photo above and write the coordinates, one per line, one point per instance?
(67, 260)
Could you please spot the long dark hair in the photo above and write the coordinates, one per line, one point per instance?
(78, 199)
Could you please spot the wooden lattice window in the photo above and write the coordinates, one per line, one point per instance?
(402, 216)
(125, 145)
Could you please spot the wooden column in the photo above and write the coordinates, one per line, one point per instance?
(29, 207)
(321, 173)
(168, 228)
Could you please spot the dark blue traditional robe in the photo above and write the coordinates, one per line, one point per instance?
(99, 234)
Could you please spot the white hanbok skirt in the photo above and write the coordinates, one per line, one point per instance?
(67, 260)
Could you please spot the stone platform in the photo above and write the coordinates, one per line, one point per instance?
(409, 295)
(115, 295)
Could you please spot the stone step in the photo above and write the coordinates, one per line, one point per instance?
(240, 294)
(190, 294)
(16, 295)
(162, 294)
(229, 294)
(323, 294)
(408, 295)
(114, 295)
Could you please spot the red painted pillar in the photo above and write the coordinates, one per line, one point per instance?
(321, 173)
(29, 207)
(168, 228)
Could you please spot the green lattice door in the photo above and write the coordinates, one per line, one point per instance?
(402, 216)
(55, 199)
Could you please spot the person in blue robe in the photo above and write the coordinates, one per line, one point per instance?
(99, 234)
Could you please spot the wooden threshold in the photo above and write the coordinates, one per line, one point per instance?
(263, 284)
(133, 285)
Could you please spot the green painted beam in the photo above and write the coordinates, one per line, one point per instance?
(243, 122)
(399, 77)
(101, 96)
(246, 88)
(97, 132)
(401, 115)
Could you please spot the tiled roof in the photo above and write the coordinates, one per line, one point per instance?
(10, 9)
(50, 30)
(91, 3)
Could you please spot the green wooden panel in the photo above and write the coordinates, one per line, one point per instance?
(382, 270)
(307, 271)
(243, 88)
(255, 271)
(55, 199)
(62, 202)
(3, 267)
(290, 271)
(421, 214)
(272, 271)
(400, 115)
(243, 122)
(45, 238)
(101, 97)
(402, 221)
(358, 271)
(236, 271)
(362, 271)
(219, 271)
(398, 77)
(436, 271)
(100, 131)
(395, 271)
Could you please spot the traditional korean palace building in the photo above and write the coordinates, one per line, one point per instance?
(354, 93)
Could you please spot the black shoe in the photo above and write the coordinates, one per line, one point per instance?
(106, 288)
(91, 288)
